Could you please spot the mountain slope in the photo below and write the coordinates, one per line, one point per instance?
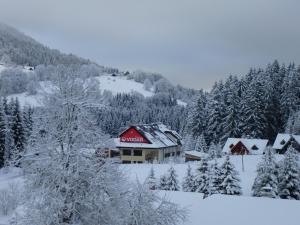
(17, 48)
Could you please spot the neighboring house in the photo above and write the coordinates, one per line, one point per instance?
(283, 141)
(148, 142)
(194, 155)
(244, 146)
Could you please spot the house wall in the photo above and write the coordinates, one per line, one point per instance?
(148, 154)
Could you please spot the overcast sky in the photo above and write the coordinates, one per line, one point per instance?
(191, 42)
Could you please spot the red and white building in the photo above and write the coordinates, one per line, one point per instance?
(148, 142)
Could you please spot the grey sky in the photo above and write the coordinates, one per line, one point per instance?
(191, 42)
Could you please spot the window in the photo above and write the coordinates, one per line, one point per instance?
(254, 147)
(167, 155)
(282, 142)
(126, 152)
(126, 162)
(137, 152)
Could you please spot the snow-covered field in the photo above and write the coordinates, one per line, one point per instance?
(236, 210)
(141, 171)
(214, 210)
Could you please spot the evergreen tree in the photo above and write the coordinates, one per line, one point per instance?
(214, 179)
(289, 185)
(172, 180)
(2, 136)
(27, 122)
(266, 182)
(151, 180)
(202, 177)
(17, 131)
(188, 181)
(201, 145)
(229, 181)
(163, 183)
(189, 143)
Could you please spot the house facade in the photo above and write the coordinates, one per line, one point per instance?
(245, 146)
(283, 141)
(148, 143)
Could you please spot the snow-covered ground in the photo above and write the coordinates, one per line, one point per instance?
(214, 210)
(119, 84)
(141, 171)
(236, 210)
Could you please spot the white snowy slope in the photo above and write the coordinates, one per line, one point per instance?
(119, 84)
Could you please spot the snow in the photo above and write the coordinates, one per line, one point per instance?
(261, 144)
(119, 84)
(214, 210)
(284, 137)
(235, 210)
(141, 171)
(196, 153)
(36, 100)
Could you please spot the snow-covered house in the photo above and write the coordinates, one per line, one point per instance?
(244, 146)
(148, 142)
(283, 141)
(194, 155)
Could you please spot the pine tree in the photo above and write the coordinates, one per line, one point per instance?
(163, 183)
(202, 177)
(266, 182)
(229, 181)
(17, 131)
(2, 136)
(215, 151)
(27, 122)
(172, 180)
(188, 184)
(289, 185)
(151, 180)
(189, 143)
(201, 145)
(214, 179)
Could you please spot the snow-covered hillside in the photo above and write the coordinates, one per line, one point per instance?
(119, 84)
(116, 84)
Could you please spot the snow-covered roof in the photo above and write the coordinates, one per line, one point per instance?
(156, 134)
(196, 153)
(282, 139)
(260, 144)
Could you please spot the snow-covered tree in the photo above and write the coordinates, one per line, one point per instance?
(201, 145)
(215, 151)
(266, 182)
(289, 176)
(151, 180)
(145, 207)
(189, 143)
(17, 132)
(67, 183)
(172, 180)
(202, 177)
(2, 136)
(163, 182)
(214, 179)
(229, 181)
(188, 184)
